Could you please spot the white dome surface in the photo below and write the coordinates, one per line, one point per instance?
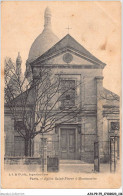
(45, 40)
(42, 43)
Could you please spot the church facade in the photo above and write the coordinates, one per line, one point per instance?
(99, 117)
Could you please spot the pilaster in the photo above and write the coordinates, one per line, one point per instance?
(99, 88)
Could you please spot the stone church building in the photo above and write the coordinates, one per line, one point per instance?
(99, 117)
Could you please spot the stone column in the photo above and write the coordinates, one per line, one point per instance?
(99, 87)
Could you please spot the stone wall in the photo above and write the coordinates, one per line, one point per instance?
(88, 138)
(9, 135)
(22, 161)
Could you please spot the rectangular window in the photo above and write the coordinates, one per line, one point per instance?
(114, 126)
(68, 92)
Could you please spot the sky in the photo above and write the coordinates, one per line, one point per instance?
(95, 25)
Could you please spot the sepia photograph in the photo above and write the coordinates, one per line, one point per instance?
(61, 94)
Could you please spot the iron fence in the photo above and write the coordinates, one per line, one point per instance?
(107, 152)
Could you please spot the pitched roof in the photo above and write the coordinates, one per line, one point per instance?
(25, 96)
(111, 95)
(68, 42)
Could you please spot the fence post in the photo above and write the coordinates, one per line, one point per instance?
(96, 157)
(44, 154)
(112, 155)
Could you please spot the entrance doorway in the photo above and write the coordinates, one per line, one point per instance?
(68, 143)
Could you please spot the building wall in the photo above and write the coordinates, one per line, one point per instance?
(107, 134)
(87, 96)
(88, 136)
(9, 135)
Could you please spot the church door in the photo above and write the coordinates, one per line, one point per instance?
(67, 143)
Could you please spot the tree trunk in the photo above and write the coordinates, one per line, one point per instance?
(30, 147)
(26, 147)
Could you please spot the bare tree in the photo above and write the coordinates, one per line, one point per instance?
(47, 102)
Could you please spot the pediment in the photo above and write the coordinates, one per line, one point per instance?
(67, 58)
(68, 51)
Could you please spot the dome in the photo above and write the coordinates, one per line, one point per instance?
(45, 40)
(42, 43)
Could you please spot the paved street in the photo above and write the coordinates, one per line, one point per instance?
(80, 167)
(64, 166)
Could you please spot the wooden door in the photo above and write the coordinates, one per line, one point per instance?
(67, 142)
